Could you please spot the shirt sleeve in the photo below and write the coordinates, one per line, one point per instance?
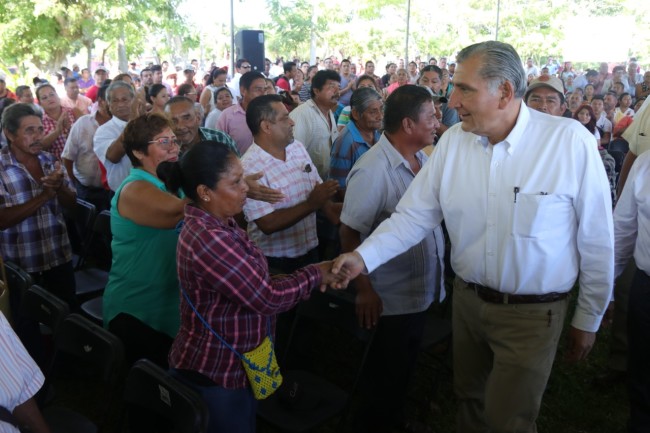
(71, 148)
(300, 129)
(362, 205)
(625, 223)
(595, 238)
(239, 275)
(417, 214)
(20, 377)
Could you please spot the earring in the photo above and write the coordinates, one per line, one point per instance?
(205, 199)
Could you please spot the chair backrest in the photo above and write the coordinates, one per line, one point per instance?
(42, 306)
(102, 225)
(150, 387)
(84, 217)
(19, 280)
(336, 310)
(91, 346)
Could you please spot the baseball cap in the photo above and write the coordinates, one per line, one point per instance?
(546, 81)
(101, 68)
(188, 67)
(3, 77)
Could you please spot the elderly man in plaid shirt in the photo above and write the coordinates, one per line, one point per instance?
(34, 188)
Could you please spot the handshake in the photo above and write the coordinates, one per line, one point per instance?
(340, 271)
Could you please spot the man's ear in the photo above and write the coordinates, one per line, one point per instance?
(507, 94)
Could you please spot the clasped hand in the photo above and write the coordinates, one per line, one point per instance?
(53, 181)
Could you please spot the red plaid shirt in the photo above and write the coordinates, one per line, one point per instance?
(49, 125)
(226, 277)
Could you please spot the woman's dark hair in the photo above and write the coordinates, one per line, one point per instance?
(153, 91)
(140, 131)
(367, 78)
(620, 98)
(591, 125)
(311, 68)
(214, 74)
(185, 89)
(219, 90)
(42, 87)
(204, 164)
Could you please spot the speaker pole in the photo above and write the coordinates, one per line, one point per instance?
(232, 39)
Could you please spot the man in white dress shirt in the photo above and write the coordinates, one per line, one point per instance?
(527, 206)
(107, 143)
(632, 225)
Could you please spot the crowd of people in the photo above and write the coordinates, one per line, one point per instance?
(231, 195)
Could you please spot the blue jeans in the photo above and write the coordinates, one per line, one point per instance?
(231, 410)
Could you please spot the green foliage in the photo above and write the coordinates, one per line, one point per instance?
(45, 32)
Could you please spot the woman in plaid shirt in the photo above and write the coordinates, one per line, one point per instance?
(226, 278)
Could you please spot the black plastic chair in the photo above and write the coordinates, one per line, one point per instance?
(93, 279)
(82, 220)
(19, 281)
(322, 400)
(41, 306)
(84, 352)
(153, 389)
(94, 309)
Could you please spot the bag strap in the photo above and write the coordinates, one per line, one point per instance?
(8, 417)
(207, 325)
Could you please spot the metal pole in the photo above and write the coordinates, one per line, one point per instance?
(408, 26)
(232, 39)
(496, 34)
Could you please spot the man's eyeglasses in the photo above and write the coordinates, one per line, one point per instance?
(246, 67)
(166, 143)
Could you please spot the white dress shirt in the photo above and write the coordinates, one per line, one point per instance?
(79, 149)
(528, 215)
(632, 218)
(105, 135)
(314, 130)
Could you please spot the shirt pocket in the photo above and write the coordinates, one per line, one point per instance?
(540, 215)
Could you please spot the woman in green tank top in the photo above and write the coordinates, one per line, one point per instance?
(141, 298)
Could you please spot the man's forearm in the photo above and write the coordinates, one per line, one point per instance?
(10, 216)
(28, 415)
(115, 151)
(284, 218)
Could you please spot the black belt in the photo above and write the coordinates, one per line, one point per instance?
(495, 297)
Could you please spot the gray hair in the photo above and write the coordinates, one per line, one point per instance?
(118, 85)
(501, 63)
(198, 109)
(362, 97)
(13, 115)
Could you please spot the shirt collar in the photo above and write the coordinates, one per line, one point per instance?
(516, 134)
(356, 135)
(119, 122)
(394, 157)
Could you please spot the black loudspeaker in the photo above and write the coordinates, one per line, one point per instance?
(249, 45)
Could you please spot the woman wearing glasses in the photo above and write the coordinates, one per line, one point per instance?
(141, 297)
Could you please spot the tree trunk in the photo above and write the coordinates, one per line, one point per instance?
(121, 52)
